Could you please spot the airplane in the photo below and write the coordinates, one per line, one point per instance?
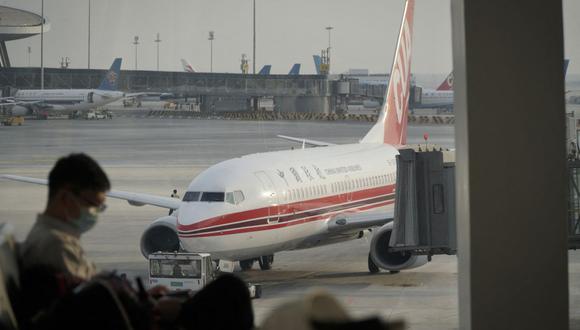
(317, 62)
(265, 70)
(186, 66)
(442, 97)
(247, 209)
(27, 101)
(295, 70)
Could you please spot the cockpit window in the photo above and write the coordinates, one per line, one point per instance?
(212, 197)
(191, 196)
(235, 197)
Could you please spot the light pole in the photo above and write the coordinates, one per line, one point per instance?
(42, 44)
(329, 28)
(136, 42)
(211, 38)
(29, 50)
(254, 53)
(89, 39)
(157, 41)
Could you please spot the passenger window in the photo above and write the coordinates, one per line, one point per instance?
(191, 196)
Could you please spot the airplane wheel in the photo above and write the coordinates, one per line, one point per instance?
(373, 268)
(246, 264)
(265, 262)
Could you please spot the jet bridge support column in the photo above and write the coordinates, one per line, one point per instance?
(511, 164)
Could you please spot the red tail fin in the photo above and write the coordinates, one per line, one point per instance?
(391, 127)
(447, 84)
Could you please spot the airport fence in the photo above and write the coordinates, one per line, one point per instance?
(272, 116)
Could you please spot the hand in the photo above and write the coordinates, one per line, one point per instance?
(158, 291)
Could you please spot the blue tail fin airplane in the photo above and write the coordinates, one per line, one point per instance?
(265, 70)
(317, 62)
(295, 70)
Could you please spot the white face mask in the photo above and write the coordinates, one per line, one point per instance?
(87, 218)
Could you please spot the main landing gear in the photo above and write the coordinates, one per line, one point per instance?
(265, 263)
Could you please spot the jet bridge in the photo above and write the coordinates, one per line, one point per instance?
(425, 221)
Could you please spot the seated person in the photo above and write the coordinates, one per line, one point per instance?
(76, 195)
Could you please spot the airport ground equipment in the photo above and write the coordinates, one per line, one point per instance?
(181, 271)
(13, 121)
(184, 271)
(424, 222)
(424, 216)
(574, 203)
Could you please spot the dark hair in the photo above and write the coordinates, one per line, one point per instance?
(78, 171)
(222, 304)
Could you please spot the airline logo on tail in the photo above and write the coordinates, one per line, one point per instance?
(186, 66)
(110, 82)
(447, 84)
(391, 127)
(397, 100)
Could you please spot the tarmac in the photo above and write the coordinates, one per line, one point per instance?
(157, 155)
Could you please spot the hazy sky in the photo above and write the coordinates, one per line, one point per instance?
(288, 32)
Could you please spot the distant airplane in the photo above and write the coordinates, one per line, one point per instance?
(265, 70)
(447, 84)
(317, 62)
(295, 70)
(442, 97)
(186, 66)
(27, 101)
(250, 207)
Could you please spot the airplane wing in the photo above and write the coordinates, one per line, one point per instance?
(306, 141)
(135, 199)
(18, 103)
(356, 221)
(136, 94)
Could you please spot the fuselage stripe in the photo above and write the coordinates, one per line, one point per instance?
(268, 226)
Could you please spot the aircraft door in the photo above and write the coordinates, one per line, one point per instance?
(90, 97)
(269, 190)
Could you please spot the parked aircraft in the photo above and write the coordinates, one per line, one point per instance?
(442, 97)
(295, 70)
(265, 70)
(27, 101)
(186, 66)
(249, 208)
(317, 62)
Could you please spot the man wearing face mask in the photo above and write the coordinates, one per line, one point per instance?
(76, 195)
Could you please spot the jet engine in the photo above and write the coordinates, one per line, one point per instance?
(391, 260)
(160, 236)
(19, 110)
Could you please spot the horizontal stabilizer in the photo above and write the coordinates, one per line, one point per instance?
(306, 141)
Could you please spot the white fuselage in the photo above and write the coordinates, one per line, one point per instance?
(283, 200)
(436, 99)
(68, 99)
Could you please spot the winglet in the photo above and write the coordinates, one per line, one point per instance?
(111, 79)
(391, 126)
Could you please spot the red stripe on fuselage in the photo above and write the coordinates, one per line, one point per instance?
(285, 224)
(302, 206)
